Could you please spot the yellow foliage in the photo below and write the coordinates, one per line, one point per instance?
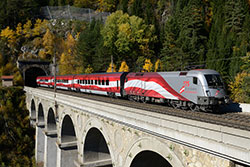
(8, 69)
(37, 42)
(148, 65)
(106, 5)
(124, 67)
(42, 54)
(89, 70)
(70, 43)
(110, 68)
(9, 34)
(48, 42)
(19, 29)
(27, 29)
(36, 30)
(238, 93)
(18, 79)
(158, 65)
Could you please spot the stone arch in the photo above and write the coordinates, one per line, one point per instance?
(33, 110)
(68, 133)
(68, 147)
(96, 149)
(31, 74)
(51, 120)
(149, 159)
(150, 146)
(40, 117)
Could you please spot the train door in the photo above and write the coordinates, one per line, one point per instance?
(194, 89)
(143, 87)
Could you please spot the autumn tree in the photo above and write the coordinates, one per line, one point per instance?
(147, 66)
(127, 37)
(111, 68)
(69, 63)
(124, 67)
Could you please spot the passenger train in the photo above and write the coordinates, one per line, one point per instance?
(197, 90)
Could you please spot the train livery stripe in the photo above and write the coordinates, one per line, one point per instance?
(160, 86)
(147, 88)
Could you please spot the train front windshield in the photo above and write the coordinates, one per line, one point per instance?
(214, 81)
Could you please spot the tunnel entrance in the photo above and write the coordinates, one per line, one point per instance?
(31, 74)
(30, 69)
(149, 159)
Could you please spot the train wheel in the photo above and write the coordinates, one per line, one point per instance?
(174, 104)
(193, 107)
(143, 99)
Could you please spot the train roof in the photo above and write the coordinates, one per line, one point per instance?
(69, 75)
(190, 73)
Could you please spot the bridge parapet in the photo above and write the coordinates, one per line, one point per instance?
(128, 131)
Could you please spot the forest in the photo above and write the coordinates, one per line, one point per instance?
(139, 35)
(17, 138)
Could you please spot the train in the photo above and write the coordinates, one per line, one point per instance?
(197, 90)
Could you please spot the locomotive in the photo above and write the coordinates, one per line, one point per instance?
(197, 90)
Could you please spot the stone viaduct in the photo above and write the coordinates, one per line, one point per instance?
(79, 132)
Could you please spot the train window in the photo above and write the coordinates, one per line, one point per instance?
(91, 82)
(103, 83)
(88, 81)
(107, 82)
(195, 80)
(183, 73)
(139, 74)
(117, 84)
(99, 82)
(95, 82)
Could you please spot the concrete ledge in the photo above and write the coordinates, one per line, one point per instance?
(67, 145)
(51, 132)
(102, 162)
(245, 107)
(40, 124)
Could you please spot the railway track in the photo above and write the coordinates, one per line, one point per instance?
(230, 119)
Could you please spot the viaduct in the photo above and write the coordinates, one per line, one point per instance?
(78, 132)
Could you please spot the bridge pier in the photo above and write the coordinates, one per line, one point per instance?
(40, 142)
(50, 153)
(66, 155)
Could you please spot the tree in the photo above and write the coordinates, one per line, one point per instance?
(90, 45)
(192, 37)
(48, 44)
(17, 11)
(148, 66)
(127, 37)
(112, 68)
(16, 136)
(69, 63)
(124, 67)
(107, 5)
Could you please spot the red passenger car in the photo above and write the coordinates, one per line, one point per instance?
(64, 82)
(45, 81)
(100, 83)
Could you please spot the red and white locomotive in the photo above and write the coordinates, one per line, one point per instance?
(196, 89)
